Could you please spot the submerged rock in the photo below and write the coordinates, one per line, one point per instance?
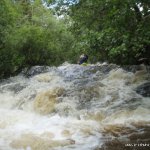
(16, 87)
(144, 89)
(37, 142)
(44, 102)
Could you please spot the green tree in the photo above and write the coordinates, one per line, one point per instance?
(7, 22)
(114, 30)
(31, 36)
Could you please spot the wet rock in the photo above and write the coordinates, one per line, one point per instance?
(17, 87)
(106, 68)
(89, 72)
(144, 89)
(36, 70)
(135, 68)
(132, 68)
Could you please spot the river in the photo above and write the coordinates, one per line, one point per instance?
(74, 107)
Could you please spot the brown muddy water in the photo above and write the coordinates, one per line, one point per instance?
(72, 107)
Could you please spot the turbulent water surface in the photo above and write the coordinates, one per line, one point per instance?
(74, 107)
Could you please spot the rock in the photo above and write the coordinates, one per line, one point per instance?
(16, 87)
(132, 68)
(35, 70)
(144, 89)
(135, 68)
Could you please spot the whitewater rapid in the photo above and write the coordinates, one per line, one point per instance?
(71, 107)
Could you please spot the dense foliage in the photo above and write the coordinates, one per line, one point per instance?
(110, 30)
(113, 30)
(49, 32)
(31, 35)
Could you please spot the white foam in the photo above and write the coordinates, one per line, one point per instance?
(17, 115)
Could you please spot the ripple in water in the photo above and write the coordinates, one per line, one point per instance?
(72, 107)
